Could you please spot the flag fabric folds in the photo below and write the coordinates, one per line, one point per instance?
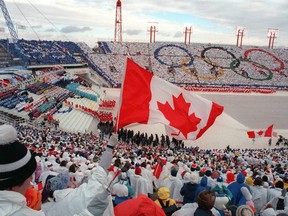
(148, 99)
(251, 134)
(268, 132)
(159, 167)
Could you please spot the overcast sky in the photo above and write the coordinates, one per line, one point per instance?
(212, 21)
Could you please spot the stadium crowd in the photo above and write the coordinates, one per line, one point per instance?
(234, 66)
(135, 173)
(212, 64)
(148, 174)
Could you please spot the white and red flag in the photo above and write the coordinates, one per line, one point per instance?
(159, 167)
(148, 99)
(267, 133)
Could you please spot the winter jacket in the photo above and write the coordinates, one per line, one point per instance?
(188, 191)
(201, 187)
(14, 203)
(235, 188)
(140, 186)
(259, 194)
(272, 193)
(70, 202)
(174, 184)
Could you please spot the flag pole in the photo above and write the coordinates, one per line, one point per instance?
(120, 99)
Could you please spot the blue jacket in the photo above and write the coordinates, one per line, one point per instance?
(188, 192)
(235, 188)
(201, 187)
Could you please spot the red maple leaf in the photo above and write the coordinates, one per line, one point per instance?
(179, 116)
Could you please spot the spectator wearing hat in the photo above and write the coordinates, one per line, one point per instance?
(259, 194)
(185, 177)
(164, 200)
(249, 181)
(202, 186)
(17, 166)
(244, 210)
(48, 173)
(139, 183)
(235, 188)
(188, 191)
(174, 184)
(193, 167)
(221, 190)
(230, 177)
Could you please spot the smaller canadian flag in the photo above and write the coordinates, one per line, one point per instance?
(267, 133)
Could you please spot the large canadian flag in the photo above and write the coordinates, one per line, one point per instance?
(148, 99)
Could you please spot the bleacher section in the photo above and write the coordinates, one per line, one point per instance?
(196, 64)
(185, 65)
(201, 67)
(44, 52)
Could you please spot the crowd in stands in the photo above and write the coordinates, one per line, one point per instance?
(235, 90)
(190, 180)
(34, 52)
(212, 64)
(186, 65)
(107, 104)
(48, 52)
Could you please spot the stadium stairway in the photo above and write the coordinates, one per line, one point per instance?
(75, 121)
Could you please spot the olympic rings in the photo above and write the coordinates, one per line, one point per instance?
(265, 73)
(157, 56)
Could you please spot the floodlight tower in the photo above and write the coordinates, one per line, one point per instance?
(118, 22)
(152, 29)
(9, 22)
(239, 35)
(272, 34)
(187, 34)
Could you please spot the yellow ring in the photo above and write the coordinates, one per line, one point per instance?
(201, 77)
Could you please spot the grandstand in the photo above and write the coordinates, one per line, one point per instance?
(63, 98)
(68, 82)
(74, 86)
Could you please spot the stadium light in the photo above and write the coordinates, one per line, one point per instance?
(272, 34)
(152, 29)
(118, 22)
(239, 35)
(187, 34)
